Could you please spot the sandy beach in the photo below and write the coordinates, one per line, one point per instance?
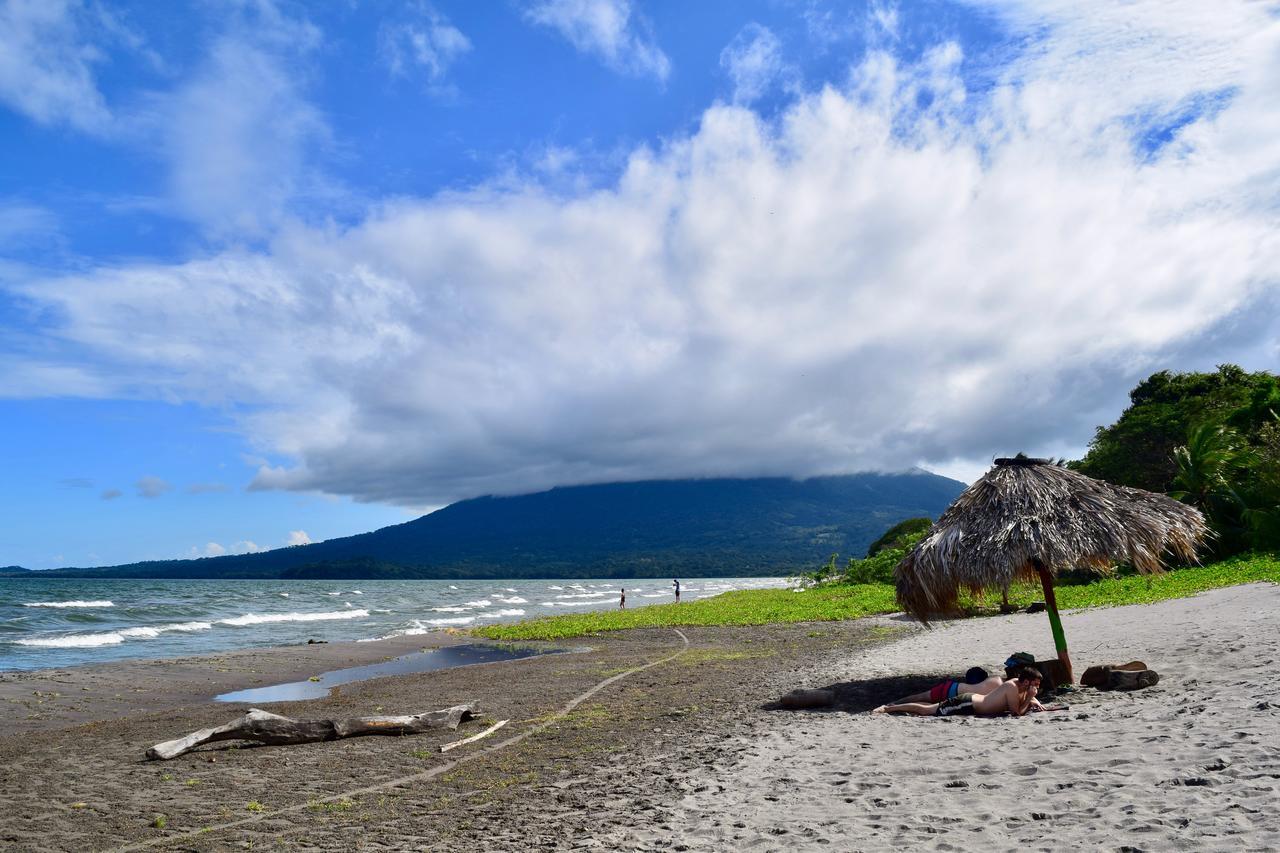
(688, 754)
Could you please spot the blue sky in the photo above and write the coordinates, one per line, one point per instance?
(277, 271)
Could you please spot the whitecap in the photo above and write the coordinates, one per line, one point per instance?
(334, 593)
(76, 603)
(508, 589)
(555, 587)
(458, 620)
(256, 619)
(451, 586)
(513, 599)
(655, 595)
(449, 609)
(483, 602)
(283, 594)
(356, 592)
(498, 614)
(111, 638)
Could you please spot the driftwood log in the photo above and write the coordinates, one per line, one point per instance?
(276, 730)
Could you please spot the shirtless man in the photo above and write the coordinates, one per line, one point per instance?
(1016, 696)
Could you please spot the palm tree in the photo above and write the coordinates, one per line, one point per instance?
(1207, 466)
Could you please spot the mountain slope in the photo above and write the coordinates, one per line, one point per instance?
(725, 527)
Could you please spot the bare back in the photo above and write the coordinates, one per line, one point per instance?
(1005, 699)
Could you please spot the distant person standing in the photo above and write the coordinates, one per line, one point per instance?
(676, 582)
(622, 602)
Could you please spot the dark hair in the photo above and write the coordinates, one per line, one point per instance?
(976, 675)
(1029, 673)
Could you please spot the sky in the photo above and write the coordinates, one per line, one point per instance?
(275, 272)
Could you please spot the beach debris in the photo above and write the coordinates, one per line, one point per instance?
(466, 740)
(1123, 679)
(799, 699)
(1133, 675)
(275, 730)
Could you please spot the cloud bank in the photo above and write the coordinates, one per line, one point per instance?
(898, 270)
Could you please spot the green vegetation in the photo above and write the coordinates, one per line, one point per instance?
(744, 607)
(254, 806)
(833, 601)
(1209, 439)
(159, 821)
(877, 568)
(897, 537)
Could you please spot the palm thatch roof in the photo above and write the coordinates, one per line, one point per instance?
(1025, 512)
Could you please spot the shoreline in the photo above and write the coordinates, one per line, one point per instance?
(694, 751)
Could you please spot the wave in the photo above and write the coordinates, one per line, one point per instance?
(256, 619)
(77, 603)
(585, 595)
(449, 609)
(514, 599)
(498, 614)
(111, 638)
(457, 620)
(483, 602)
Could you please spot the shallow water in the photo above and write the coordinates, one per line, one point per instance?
(427, 660)
(54, 622)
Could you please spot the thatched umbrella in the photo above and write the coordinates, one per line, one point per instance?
(1028, 518)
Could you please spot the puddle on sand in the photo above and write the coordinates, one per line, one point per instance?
(424, 661)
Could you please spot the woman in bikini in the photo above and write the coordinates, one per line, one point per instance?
(1016, 696)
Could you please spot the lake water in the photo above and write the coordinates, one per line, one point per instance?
(58, 622)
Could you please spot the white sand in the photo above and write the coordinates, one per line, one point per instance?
(1192, 764)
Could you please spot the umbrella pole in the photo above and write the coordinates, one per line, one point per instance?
(1055, 621)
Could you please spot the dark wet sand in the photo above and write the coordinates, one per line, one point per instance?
(72, 774)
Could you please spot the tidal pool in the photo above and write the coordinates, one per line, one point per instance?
(424, 661)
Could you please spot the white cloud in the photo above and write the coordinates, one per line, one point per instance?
(753, 61)
(237, 137)
(25, 223)
(213, 549)
(46, 64)
(298, 537)
(864, 282)
(152, 487)
(111, 494)
(429, 44)
(247, 546)
(606, 29)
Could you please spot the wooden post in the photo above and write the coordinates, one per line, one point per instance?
(1055, 621)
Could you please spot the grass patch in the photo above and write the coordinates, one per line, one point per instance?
(335, 806)
(1143, 589)
(743, 607)
(834, 602)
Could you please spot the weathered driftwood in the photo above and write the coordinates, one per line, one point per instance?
(276, 730)
(466, 740)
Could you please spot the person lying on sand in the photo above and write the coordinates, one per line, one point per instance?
(1016, 696)
(976, 680)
